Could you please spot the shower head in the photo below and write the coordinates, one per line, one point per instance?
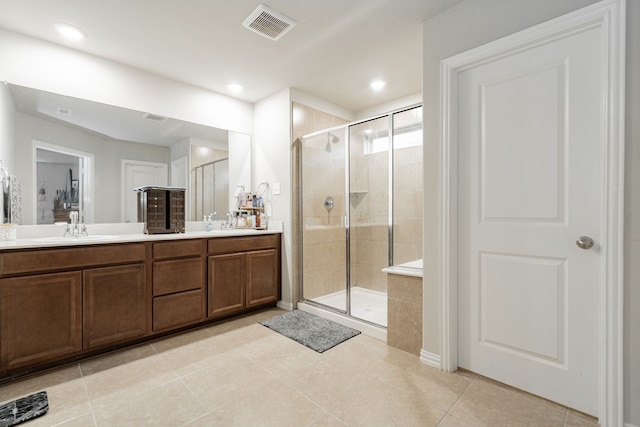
(331, 139)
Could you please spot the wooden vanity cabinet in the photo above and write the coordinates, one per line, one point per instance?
(178, 284)
(40, 319)
(244, 272)
(62, 303)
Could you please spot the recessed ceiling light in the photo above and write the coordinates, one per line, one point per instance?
(70, 32)
(377, 85)
(235, 87)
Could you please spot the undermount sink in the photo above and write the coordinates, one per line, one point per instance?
(90, 238)
(237, 231)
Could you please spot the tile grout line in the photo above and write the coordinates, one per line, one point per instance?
(86, 392)
(204, 406)
(456, 401)
(181, 379)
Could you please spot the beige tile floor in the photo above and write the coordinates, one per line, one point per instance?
(240, 373)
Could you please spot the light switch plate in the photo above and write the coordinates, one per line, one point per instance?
(276, 188)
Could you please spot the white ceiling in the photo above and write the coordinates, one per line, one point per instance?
(337, 48)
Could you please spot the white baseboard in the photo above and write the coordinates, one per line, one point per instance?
(629, 425)
(285, 305)
(430, 359)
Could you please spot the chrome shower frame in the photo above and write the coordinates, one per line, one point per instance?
(347, 208)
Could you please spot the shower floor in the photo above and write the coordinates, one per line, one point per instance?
(366, 304)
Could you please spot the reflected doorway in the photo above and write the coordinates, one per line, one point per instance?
(63, 184)
(137, 173)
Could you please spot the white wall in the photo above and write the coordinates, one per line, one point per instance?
(240, 170)
(477, 22)
(34, 63)
(321, 105)
(272, 163)
(7, 117)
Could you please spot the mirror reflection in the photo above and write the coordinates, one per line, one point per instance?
(78, 155)
(59, 189)
(209, 183)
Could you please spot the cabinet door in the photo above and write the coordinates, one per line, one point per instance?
(262, 280)
(226, 284)
(115, 305)
(40, 319)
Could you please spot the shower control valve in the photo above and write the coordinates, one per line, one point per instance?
(329, 203)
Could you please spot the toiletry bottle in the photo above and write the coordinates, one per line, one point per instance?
(209, 226)
(257, 219)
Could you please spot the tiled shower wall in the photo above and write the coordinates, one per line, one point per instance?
(408, 205)
(369, 198)
(369, 214)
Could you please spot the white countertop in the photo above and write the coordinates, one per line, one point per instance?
(46, 236)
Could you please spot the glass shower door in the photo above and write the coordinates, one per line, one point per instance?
(369, 223)
(407, 188)
(322, 194)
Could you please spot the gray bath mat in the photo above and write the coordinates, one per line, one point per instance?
(24, 409)
(310, 330)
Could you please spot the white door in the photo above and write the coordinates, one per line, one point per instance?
(137, 174)
(530, 182)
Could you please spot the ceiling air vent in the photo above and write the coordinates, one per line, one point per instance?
(268, 22)
(154, 117)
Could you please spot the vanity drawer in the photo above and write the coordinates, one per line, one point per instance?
(176, 249)
(223, 245)
(173, 311)
(177, 275)
(56, 259)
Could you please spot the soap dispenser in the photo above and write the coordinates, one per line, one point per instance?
(209, 225)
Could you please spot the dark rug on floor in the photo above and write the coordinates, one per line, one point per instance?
(310, 330)
(24, 409)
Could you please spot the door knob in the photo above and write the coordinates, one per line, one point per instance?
(585, 242)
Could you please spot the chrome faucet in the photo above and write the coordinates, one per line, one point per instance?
(75, 229)
(228, 224)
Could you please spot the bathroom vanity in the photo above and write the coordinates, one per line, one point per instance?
(61, 301)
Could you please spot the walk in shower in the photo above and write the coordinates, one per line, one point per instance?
(360, 211)
(210, 189)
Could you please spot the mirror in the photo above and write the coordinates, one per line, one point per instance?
(118, 140)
